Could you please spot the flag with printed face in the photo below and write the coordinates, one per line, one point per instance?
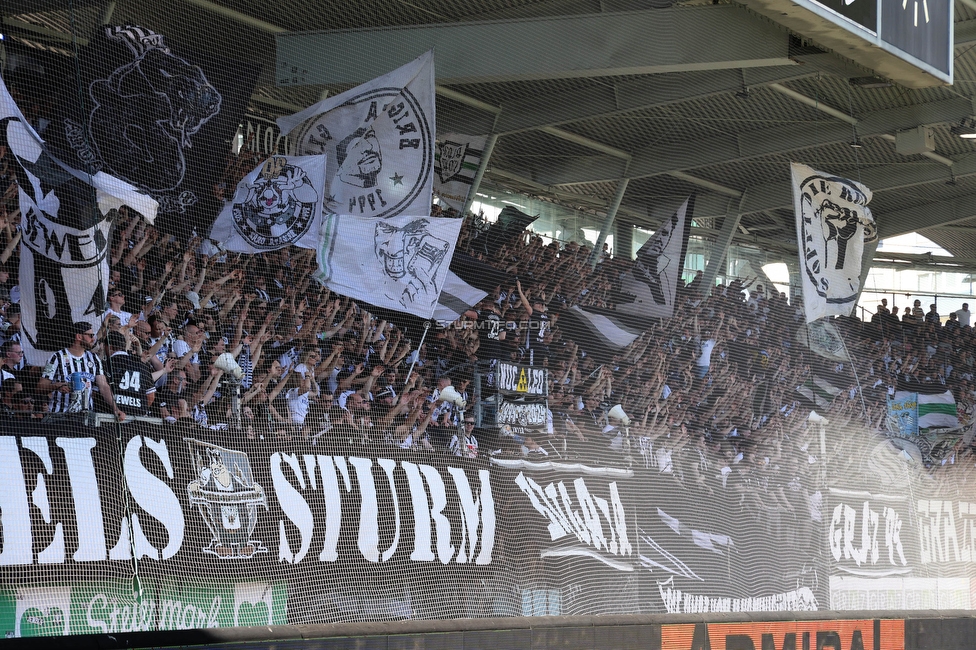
(456, 162)
(649, 287)
(379, 139)
(399, 263)
(278, 204)
(64, 245)
(833, 223)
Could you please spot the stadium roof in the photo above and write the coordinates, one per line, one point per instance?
(679, 98)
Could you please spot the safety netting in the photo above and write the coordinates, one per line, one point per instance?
(267, 357)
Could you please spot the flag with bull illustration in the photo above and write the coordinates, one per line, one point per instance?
(154, 114)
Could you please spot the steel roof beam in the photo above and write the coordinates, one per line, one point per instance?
(688, 154)
(964, 32)
(813, 103)
(929, 215)
(651, 41)
(603, 100)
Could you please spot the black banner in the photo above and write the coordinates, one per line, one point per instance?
(262, 136)
(297, 534)
(640, 545)
(140, 527)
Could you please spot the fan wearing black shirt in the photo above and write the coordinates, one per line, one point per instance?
(131, 379)
(491, 332)
(539, 326)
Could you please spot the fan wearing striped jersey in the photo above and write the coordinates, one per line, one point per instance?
(56, 379)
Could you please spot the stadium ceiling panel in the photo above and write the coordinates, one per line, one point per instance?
(590, 45)
(676, 96)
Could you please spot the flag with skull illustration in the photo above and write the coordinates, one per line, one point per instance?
(379, 139)
(278, 204)
(65, 220)
(832, 224)
(399, 263)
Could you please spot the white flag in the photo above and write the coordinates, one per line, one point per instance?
(63, 252)
(399, 263)
(379, 138)
(832, 224)
(653, 279)
(278, 204)
(455, 165)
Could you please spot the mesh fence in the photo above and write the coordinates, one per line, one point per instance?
(253, 374)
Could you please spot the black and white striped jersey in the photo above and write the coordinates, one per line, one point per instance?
(61, 366)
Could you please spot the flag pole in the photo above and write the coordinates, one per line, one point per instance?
(860, 390)
(419, 345)
(480, 174)
(608, 223)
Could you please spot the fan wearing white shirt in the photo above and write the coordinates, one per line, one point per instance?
(298, 395)
(707, 343)
(964, 315)
(186, 350)
(116, 300)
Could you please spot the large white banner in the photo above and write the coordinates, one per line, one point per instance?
(399, 263)
(379, 139)
(455, 165)
(63, 253)
(832, 224)
(278, 204)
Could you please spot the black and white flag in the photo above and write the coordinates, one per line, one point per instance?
(278, 204)
(455, 164)
(599, 333)
(646, 290)
(156, 116)
(832, 224)
(379, 139)
(457, 297)
(399, 263)
(649, 286)
(63, 253)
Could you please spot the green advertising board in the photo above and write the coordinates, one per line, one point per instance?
(115, 607)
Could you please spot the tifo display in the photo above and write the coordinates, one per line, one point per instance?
(284, 386)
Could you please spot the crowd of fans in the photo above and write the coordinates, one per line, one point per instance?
(712, 392)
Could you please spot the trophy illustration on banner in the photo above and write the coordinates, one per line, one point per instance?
(228, 498)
